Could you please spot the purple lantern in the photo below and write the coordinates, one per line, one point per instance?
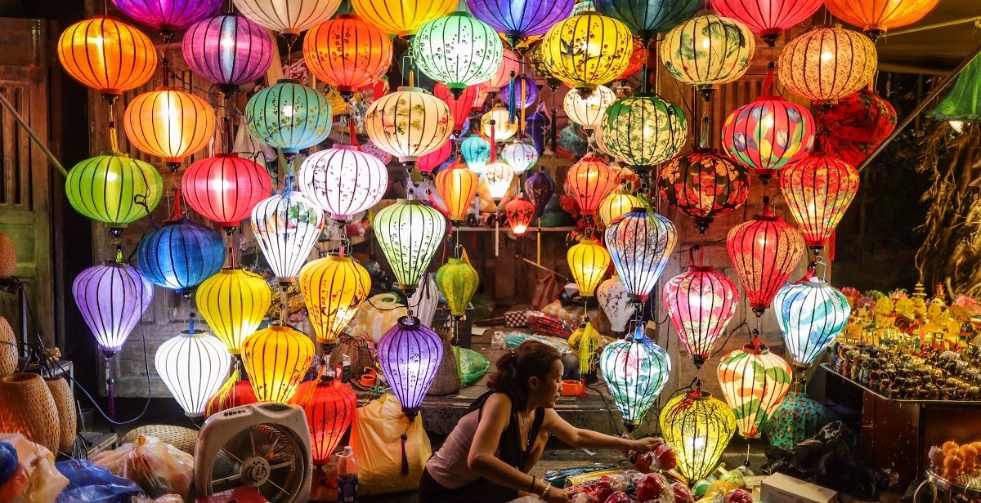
(540, 189)
(531, 91)
(168, 16)
(112, 297)
(518, 19)
(535, 126)
(409, 355)
(228, 50)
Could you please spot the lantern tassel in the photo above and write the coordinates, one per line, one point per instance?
(405, 458)
(497, 236)
(538, 246)
(512, 111)
(521, 124)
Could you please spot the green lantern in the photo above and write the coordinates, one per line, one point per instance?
(457, 281)
(635, 370)
(289, 116)
(114, 189)
(644, 129)
(798, 418)
(963, 102)
(458, 51)
(409, 233)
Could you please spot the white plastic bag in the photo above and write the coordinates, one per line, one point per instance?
(376, 438)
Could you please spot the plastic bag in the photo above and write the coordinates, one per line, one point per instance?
(386, 463)
(44, 483)
(472, 365)
(157, 467)
(515, 339)
(94, 484)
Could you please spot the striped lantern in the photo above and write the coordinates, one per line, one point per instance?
(643, 130)
(409, 123)
(540, 189)
(700, 302)
(409, 354)
(770, 18)
(342, 181)
(647, 18)
(193, 366)
(289, 116)
(519, 155)
(510, 64)
(457, 281)
(460, 106)
(233, 302)
(518, 19)
(286, 226)
(180, 255)
(588, 182)
(276, 359)
(768, 134)
(703, 185)
(497, 124)
(588, 111)
(457, 50)
(827, 63)
(107, 55)
(330, 407)
(409, 233)
(225, 188)
(754, 381)
(112, 298)
(457, 186)
(818, 191)
(568, 57)
(616, 203)
(433, 160)
(588, 261)
(228, 50)
(168, 16)
(114, 189)
(402, 17)
(333, 288)
(874, 17)
(708, 50)
(639, 244)
(698, 428)
(347, 53)
(169, 123)
(811, 313)
(476, 152)
(289, 17)
(520, 212)
(635, 370)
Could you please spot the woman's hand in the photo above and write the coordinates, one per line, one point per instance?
(556, 495)
(646, 444)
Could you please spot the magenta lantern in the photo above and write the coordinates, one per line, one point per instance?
(228, 50)
(700, 302)
(767, 18)
(168, 16)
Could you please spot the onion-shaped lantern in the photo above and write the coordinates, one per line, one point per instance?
(590, 111)
(169, 123)
(476, 152)
(614, 299)
(229, 50)
(347, 53)
(754, 381)
(276, 359)
(409, 233)
(519, 155)
(498, 178)
(113, 189)
(586, 50)
(768, 134)
(342, 181)
(510, 65)
(433, 160)
(589, 181)
(286, 226)
(289, 17)
(233, 302)
(708, 50)
(460, 106)
(703, 185)
(858, 124)
(827, 63)
(402, 17)
(588, 261)
(616, 203)
(497, 124)
(770, 18)
(457, 186)
(876, 16)
(818, 191)
(112, 298)
(635, 370)
(811, 314)
(289, 116)
(457, 50)
(520, 213)
(330, 407)
(764, 252)
(700, 302)
(518, 19)
(409, 355)
(644, 129)
(522, 85)
(540, 189)
(647, 18)
(107, 55)
(333, 288)
(180, 255)
(640, 244)
(409, 123)
(167, 16)
(698, 427)
(193, 366)
(797, 419)
(457, 281)
(225, 188)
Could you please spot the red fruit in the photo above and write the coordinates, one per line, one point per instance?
(666, 459)
(642, 461)
(739, 496)
(681, 493)
(650, 487)
(618, 497)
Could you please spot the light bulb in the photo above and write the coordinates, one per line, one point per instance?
(826, 56)
(288, 111)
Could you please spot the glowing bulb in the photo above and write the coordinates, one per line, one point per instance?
(288, 111)
(826, 56)
(227, 43)
(706, 43)
(768, 121)
(957, 125)
(111, 176)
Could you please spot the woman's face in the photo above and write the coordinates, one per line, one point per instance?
(547, 390)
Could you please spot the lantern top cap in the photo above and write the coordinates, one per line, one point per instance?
(196, 333)
(413, 89)
(815, 282)
(408, 322)
(459, 13)
(415, 202)
(589, 241)
(288, 81)
(756, 348)
(640, 209)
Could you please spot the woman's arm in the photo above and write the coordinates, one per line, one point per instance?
(589, 439)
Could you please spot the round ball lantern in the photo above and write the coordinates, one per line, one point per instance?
(876, 16)
(811, 313)
(510, 66)
(457, 281)
(342, 181)
(457, 186)
(409, 355)
(225, 188)
(409, 123)
(818, 191)
(754, 381)
(764, 252)
(708, 50)
(856, 126)
(193, 366)
(114, 189)
(169, 123)
(233, 302)
(498, 178)
(587, 50)
(333, 288)
(519, 155)
(112, 298)
(168, 16)
(637, 59)
(180, 255)
(635, 370)
(540, 188)
(644, 129)
(460, 106)
(519, 19)
(770, 18)
(107, 55)
(286, 226)
(640, 244)
(616, 203)
(330, 407)
(289, 116)
(614, 299)
(590, 111)
(588, 262)
(700, 302)
(402, 17)
(497, 124)
(347, 53)
(647, 18)
(276, 359)
(433, 160)
(457, 50)
(520, 213)
(768, 134)
(703, 185)
(476, 152)
(289, 17)
(826, 64)
(409, 233)
(698, 427)
(589, 181)
(228, 50)
(512, 92)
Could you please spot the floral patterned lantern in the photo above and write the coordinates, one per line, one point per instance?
(330, 407)
(590, 111)
(333, 288)
(225, 188)
(402, 17)
(276, 359)
(347, 53)
(540, 189)
(112, 298)
(289, 116)
(107, 55)
(476, 152)
(811, 314)
(708, 50)
(754, 381)
(818, 191)
(698, 427)
(640, 244)
(168, 16)
(497, 124)
(457, 50)
(342, 181)
(647, 18)
(857, 125)
(703, 185)
(519, 155)
(518, 19)
(614, 299)
(409, 123)
(457, 186)
(589, 181)
(460, 106)
(409, 233)
(409, 355)
(644, 129)
(798, 418)
(588, 262)
(520, 213)
(288, 18)
(768, 134)
(770, 18)
(876, 16)
(286, 226)
(498, 177)
(234, 303)
(457, 281)
(826, 64)
(586, 50)
(229, 50)
(635, 370)
(700, 302)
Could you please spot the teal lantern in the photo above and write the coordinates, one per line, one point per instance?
(409, 233)
(635, 370)
(113, 189)
(643, 130)
(811, 313)
(476, 153)
(457, 50)
(289, 116)
(798, 418)
(457, 281)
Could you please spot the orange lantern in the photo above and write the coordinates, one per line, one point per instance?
(589, 180)
(457, 186)
(347, 53)
(107, 55)
(169, 123)
(876, 16)
(330, 408)
(826, 64)
(818, 190)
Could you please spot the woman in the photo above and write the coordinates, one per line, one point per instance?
(487, 456)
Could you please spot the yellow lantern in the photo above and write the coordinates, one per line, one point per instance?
(457, 186)
(107, 55)
(826, 64)
(233, 302)
(169, 123)
(698, 427)
(708, 50)
(616, 203)
(333, 288)
(876, 16)
(276, 358)
(588, 262)
(502, 128)
(402, 17)
(587, 50)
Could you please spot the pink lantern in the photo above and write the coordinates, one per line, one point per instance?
(510, 64)
(701, 302)
(429, 162)
(767, 18)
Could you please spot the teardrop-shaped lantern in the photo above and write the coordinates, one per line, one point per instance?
(589, 181)
(402, 17)
(168, 16)
(286, 226)
(708, 50)
(276, 359)
(233, 302)
(754, 381)
(333, 288)
(225, 188)
(497, 124)
(811, 313)
(342, 181)
(703, 185)
(539, 188)
(193, 366)
(520, 213)
(498, 177)
(290, 17)
(818, 191)
(169, 123)
(770, 18)
(520, 156)
(457, 50)
(698, 427)
(700, 302)
(347, 53)
(640, 244)
(409, 233)
(425, 300)
(114, 189)
(229, 50)
(587, 50)
(409, 355)
(409, 123)
(768, 134)
(112, 298)
(476, 152)
(457, 281)
(180, 255)
(646, 18)
(330, 407)
(107, 55)
(616, 203)
(457, 186)
(289, 116)
(614, 299)
(827, 63)
(644, 129)
(518, 19)
(588, 262)
(460, 106)
(590, 111)
(635, 370)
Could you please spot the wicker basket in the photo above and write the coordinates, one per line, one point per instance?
(447, 380)
(61, 392)
(180, 437)
(27, 407)
(8, 349)
(8, 257)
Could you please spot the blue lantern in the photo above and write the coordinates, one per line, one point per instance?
(476, 152)
(811, 314)
(180, 255)
(635, 370)
(289, 116)
(646, 18)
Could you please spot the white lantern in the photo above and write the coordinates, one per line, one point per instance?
(502, 128)
(425, 299)
(286, 227)
(498, 177)
(590, 111)
(288, 17)
(614, 299)
(409, 123)
(343, 181)
(520, 155)
(193, 365)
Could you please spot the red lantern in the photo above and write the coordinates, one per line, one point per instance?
(330, 408)
(700, 302)
(764, 251)
(768, 134)
(818, 191)
(637, 59)
(432, 160)
(856, 126)
(239, 393)
(520, 213)
(460, 106)
(347, 52)
(767, 18)
(225, 188)
(589, 181)
(704, 185)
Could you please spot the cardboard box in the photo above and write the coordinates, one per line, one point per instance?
(780, 488)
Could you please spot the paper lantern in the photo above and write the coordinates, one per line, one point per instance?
(797, 419)
(535, 57)
(342, 181)
(113, 189)
(616, 203)
(169, 123)
(409, 355)
(514, 88)
(860, 122)
(289, 116)
(330, 407)
(107, 55)
(276, 359)
(614, 299)
(700, 302)
(818, 191)
(497, 124)
(698, 427)
(754, 381)
(510, 65)
(640, 244)
(233, 302)
(180, 255)
(587, 50)
(498, 177)
(535, 126)
(373, 150)
(647, 18)
(811, 314)
(764, 252)
(225, 188)
(425, 300)
(476, 152)
(112, 298)
(769, 18)
(167, 16)
(635, 370)
(708, 50)
(288, 17)
(590, 180)
(768, 134)
(876, 16)
(193, 366)
(347, 53)
(588, 112)
(520, 213)
(228, 50)
(459, 107)
(432, 160)
(402, 17)
(457, 281)
(520, 156)
(637, 59)
(703, 185)
(588, 262)
(409, 123)
(409, 233)
(232, 394)
(540, 189)
(286, 226)
(644, 129)
(826, 64)
(457, 186)
(457, 50)
(333, 288)
(519, 19)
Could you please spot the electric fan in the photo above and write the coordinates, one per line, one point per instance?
(265, 446)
